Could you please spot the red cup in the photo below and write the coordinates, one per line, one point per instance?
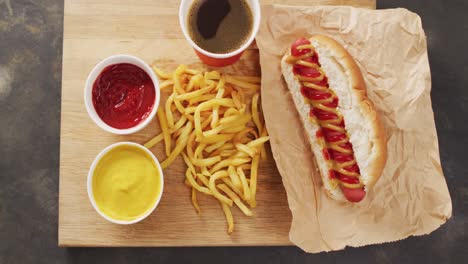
(217, 59)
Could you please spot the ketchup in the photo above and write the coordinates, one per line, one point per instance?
(317, 91)
(123, 95)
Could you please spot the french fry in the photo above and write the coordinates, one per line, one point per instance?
(229, 218)
(231, 111)
(179, 106)
(161, 74)
(245, 185)
(206, 122)
(189, 163)
(201, 98)
(189, 117)
(214, 190)
(195, 93)
(194, 82)
(213, 132)
(242, 84)
(258, 142)
(245, 166)
(180, 123)
(234, 129)
(248, 150)
(227, 153)
(239, 155)
(231, 118)
(243, 108)
(204, 180)
(176, 78)
(219, 151)
(214, 146)
(189, 147)
(167, 137)
(227, 146)
(235, 199)
(255, 115)
(206, 162)
(192, 72)
(154, 141)
(169, 117)
(195, 201)
(216, 138)
(229, 162)
(229, 183)
(199, 150)
(258, 124)
(205, 171)
(234, 177)
(242, 98)
(195, 185)
(166, 84)
(212, 75)
(180, 145)
(253, 181)
(219, 95)
(190, 110)
(176, 133)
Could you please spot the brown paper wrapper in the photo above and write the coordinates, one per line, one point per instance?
(411, 197)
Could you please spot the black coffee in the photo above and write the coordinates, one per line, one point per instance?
(220, 26)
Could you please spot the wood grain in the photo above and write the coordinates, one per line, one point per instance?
(149, 29)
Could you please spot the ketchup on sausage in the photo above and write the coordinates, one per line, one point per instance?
(324, 103)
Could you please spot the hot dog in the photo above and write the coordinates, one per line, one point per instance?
(341, 123)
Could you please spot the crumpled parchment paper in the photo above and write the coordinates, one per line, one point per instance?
(411, 197)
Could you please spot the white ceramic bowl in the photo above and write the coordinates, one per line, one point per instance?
(88, 92)
(90, 182)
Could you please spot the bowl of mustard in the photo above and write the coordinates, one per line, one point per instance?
(125, 183)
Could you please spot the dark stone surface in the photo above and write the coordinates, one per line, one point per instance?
(30, 79)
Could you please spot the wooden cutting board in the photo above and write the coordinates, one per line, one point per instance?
(150, 30)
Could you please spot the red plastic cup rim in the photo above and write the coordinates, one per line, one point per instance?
(215, 59)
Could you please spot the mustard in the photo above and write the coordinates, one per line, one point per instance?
(126, 183)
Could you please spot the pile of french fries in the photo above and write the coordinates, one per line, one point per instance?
(220, 137)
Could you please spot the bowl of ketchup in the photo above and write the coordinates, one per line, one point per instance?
(122, 94)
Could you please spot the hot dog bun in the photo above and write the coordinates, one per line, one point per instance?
(363, 127)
